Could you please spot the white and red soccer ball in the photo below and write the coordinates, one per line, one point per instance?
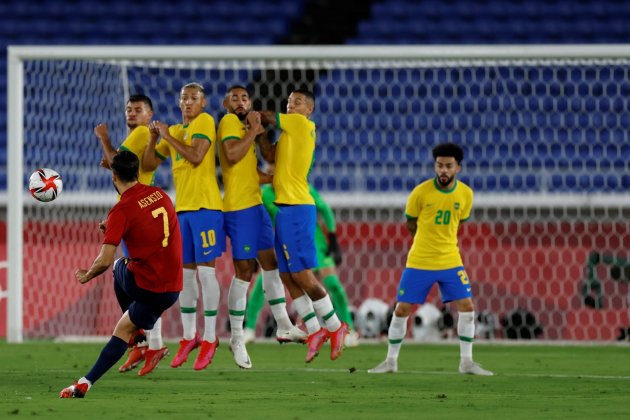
(45, 184)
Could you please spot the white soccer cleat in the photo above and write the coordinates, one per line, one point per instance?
(472, 368)
(249, 335)
(387, 366)
(240, 354)
(293, 335)
(352, 339)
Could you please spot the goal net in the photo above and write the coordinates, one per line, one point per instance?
(545, 134)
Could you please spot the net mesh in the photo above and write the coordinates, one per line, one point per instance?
(537, 134)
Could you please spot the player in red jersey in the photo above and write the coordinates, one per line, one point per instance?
(149, 281)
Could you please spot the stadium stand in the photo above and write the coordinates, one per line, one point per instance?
(535, 135)
(522, 134)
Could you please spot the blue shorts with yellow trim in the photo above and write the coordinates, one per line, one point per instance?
(295, 238)
(250, 230)
(203, 235)
(415, 284)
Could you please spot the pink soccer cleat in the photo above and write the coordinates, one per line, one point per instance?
(185, 347)
(204, 358)
(337, 339)
(315, 342)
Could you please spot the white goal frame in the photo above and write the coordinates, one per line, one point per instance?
(14, 199)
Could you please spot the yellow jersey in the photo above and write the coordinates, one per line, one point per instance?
(438, 213)
(241, 189)
(195, 186)
(294, 158)
(136, 142)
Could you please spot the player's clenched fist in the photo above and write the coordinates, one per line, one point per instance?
(101, 131)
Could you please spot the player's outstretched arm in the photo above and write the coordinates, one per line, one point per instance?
(268, 118)
(102, 262)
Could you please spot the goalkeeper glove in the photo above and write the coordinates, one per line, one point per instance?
(333, 248)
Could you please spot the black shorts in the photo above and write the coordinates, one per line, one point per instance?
(146, 306)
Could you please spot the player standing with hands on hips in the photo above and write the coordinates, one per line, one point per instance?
(434, 211)
(149, 281)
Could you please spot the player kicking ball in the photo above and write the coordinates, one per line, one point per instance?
(434, 211)
(147, 283)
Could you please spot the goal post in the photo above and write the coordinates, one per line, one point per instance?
(514, 109)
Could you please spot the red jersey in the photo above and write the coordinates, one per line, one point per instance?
(145, 219)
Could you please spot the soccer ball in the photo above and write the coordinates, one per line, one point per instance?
(45, 184)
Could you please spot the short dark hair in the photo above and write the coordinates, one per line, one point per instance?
(231, 88)
(449, 150)
(125, 165)
(140, 97)
(309, 95)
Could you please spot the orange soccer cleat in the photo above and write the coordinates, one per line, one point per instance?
(75, 390)
(151, 360)
(136, 355)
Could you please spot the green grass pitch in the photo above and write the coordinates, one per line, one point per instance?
(531, 381)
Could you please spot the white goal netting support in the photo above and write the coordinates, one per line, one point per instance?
(545, 131)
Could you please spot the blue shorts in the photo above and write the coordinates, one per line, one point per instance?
(144, 306)
(295, 238)
(415, 284)
(250, 231)
(203, 236)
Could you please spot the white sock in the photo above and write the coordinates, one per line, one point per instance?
(188, 303)
(304, 307)
(211, 296)
(395, 335)
(154, 335)
(324, 308)
(274, 293)
(466, 332)
(237, 301)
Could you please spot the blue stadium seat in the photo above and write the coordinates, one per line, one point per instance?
(549, 118)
